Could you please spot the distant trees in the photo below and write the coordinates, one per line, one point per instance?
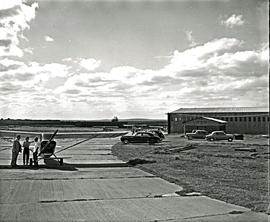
(115, 119)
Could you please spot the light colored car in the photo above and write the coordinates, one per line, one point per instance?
(198, 134)
(219, 135)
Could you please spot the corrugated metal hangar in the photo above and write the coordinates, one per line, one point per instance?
(248, 120)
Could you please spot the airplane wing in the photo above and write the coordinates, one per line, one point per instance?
(14, 133)
(110, 134)
(90, 136)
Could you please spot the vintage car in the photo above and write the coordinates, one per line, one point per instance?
(197, 134)
(219, 135)
(140, 137)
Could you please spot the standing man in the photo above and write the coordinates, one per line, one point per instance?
(35, 151)
(16, 149)
(26, 145)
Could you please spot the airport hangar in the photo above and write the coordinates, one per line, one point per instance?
(244, 120)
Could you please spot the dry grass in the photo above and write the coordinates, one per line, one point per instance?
(214, 169)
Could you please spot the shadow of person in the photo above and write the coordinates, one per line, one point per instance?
(54, 164)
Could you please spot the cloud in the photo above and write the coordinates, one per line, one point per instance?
(213, 73)
(28, 50)
(8, 4)
(190, 38)
(217, 73)
(233, 21)
(196, 58)
(83, 64)
(33, 75)
(8, 64)
(21, 84)
(67, 59)
(15, 17)
(48, 38)
(89, 64)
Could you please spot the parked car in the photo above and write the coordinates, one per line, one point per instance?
(158, 133)
(198, 134)
(140, 137)
(219, 135)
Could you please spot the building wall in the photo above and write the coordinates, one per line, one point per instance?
(247, 123)
(204, 124)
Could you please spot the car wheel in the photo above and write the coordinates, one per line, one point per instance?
(125, 141)
(230, 139)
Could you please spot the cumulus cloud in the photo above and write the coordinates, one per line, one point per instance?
(15, 17)
(83, 64)
(196, 58)
(67, 59)
(48, 38)
(8, 64)
(216, 73)
(213, 73)
(32, 75)
(89, 64)
(22, 84)
(233, 21)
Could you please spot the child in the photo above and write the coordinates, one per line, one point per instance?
(26, 145)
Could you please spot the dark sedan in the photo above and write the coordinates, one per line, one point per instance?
(141, 137)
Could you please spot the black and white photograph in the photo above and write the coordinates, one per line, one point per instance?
(134, 110)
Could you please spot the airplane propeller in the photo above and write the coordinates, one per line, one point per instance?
(48, 142)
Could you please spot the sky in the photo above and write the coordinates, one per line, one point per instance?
(85, 59)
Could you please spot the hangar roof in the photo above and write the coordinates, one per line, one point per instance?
(223, 110)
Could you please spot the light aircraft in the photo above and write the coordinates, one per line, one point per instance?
(48, 145)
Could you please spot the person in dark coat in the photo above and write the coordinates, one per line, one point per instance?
(16, 149)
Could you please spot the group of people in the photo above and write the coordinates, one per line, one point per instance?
(17, 149)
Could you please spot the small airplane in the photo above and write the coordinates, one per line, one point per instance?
(48, 145)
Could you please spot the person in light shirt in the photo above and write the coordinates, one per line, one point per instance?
(35, 151)
(26, 145)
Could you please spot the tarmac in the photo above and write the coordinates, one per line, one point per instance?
(93, 185)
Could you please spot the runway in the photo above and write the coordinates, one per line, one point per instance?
(94, 185)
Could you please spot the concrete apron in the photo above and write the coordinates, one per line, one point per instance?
(104, 194)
